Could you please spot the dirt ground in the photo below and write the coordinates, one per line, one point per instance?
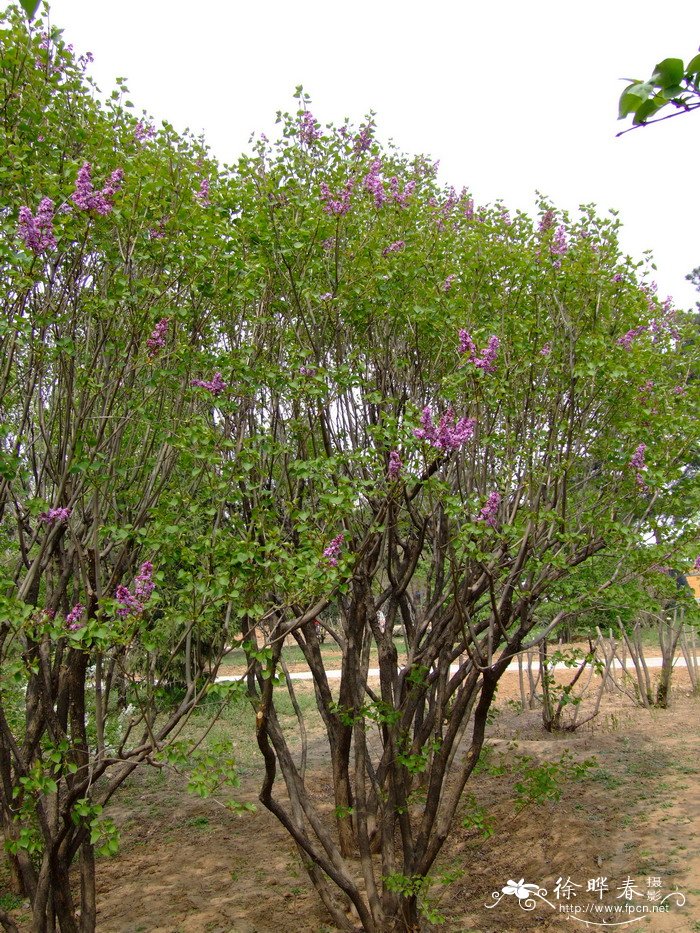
(189, 865)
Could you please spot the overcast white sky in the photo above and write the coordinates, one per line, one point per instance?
(513, 97)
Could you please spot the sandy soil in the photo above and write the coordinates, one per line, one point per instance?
(190, 866)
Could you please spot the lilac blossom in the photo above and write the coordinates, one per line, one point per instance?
(74, 616)
(449, 434)
(143, 132)
(307, 370)
(637, 459)
(485, 360)
(637, 463)
(216, 385)
(128, 604)
(393, 248)
(489, 512)
(202, 194)
(618, 277)
(333, 550)
(337, 204)
(679, 390)
(326, 296)
(55, 516)
(627, 339)
(559, 246)
(646, 389)
(308, 128)
(395, 465)
(696, 565)
(156, 341)
(373, 183)
(363, 140)
(134, 603)
(157, 232)
(447, 284)
(546, 349)
(143, 584)
(86, 198)
(37, 232)
(329, 244)
(466, 344)
(547, 221)
(401, 197)
(468, 209)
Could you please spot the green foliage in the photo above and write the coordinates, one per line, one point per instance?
(210, 375)
(672, 84)
(540, 783)
(477, 817)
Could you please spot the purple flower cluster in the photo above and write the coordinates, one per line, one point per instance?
(400, 197)
(547, 221)
(447, 284)
(449, 434)
(395, 465)
(363, 140)
(54, 516)
(134, 603)
(489, 512)
(86, 198)
(308, 128)
(329, 244)
(156, 341)
(637, 459)
(666, 323)
(646, 390)
(307, 370)
(393, 248)
(333, 550)
(637, 463)
(373, 183)
(485, 360)
(202, 194)
(618, 277)
(558, 246)
(157, 232)
(468, 209)
(74, 616)
(143, 132)
(216, 385)
(696, 565)
(679, 390)
(627, 340)
(546, 349)
(337, 204)
(37, 232)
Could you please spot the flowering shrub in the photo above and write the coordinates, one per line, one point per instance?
(344, 406)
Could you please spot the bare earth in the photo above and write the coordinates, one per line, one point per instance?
(190, 866)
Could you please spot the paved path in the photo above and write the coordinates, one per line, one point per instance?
(512, 667)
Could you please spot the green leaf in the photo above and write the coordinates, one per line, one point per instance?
(648, 108)
(633, 96)
(693, 67)
(670, 93)
(668, 73)
(30, 7)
